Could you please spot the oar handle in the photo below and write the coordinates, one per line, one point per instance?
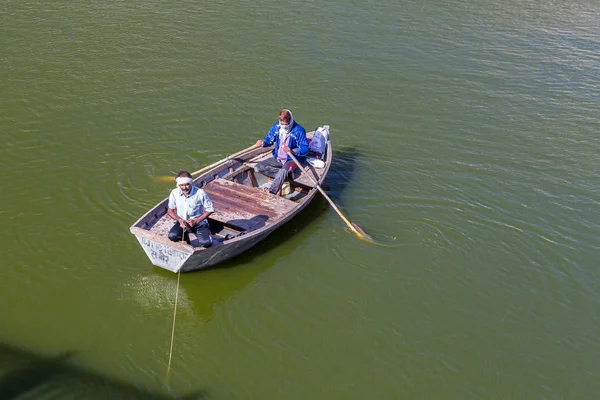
(324, 194)
(234, 155)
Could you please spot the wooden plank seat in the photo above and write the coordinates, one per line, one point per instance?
(299, 178)
(244, 207)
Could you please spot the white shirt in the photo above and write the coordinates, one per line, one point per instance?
(192, 206)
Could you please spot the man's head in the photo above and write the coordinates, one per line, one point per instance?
(285, 117)
(286, 120)
(184, 182)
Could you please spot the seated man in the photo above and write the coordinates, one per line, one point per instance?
(287, 135)
(190, 207)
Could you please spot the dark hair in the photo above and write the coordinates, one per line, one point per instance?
(184, 173)
(285, 116)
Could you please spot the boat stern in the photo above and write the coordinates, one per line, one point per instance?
(170, 256)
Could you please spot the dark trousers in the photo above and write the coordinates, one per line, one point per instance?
(201, 231)
(271, 167)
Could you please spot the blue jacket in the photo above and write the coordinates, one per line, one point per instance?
(298, 140)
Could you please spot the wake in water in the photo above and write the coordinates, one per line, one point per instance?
(156, 292)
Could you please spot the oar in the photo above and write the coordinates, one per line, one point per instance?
(353, 227)
(167, 179)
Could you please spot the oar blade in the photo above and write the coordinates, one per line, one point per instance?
(164, 179)
(361, 233)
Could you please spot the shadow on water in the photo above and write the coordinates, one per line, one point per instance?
(26, 374)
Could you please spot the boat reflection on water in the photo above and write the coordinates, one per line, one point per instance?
(199, 293)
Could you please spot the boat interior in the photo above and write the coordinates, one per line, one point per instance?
(241, 204)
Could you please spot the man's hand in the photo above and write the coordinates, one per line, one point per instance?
(259, 143)
(183, 223)
(192, 222)
(286, 149)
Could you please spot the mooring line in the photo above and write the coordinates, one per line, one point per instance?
(173, 330)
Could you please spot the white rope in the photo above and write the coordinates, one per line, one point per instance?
(173, 330)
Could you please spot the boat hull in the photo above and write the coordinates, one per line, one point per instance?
(163, 255)
(207, 258)
(166, 256)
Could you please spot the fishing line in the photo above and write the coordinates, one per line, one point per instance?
(173, 330)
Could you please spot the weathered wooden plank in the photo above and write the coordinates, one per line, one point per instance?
(252, 178)
(163, 225)
(246, 219)
(244, 206)
(225, 202)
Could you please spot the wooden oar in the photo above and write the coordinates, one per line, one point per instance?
(167, 179)
(353, 227)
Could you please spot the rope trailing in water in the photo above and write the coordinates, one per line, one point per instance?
(173, 330)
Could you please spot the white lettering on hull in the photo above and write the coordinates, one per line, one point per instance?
(163, 256)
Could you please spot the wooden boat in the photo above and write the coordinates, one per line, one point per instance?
(244, 214)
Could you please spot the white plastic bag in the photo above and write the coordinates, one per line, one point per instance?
(325, 131)
(315, 162)
(319, 140)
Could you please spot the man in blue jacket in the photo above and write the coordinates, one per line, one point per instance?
(287, 135)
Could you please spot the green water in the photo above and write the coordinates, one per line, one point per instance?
(465, 141)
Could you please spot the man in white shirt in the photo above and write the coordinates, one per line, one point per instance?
(190, 207)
